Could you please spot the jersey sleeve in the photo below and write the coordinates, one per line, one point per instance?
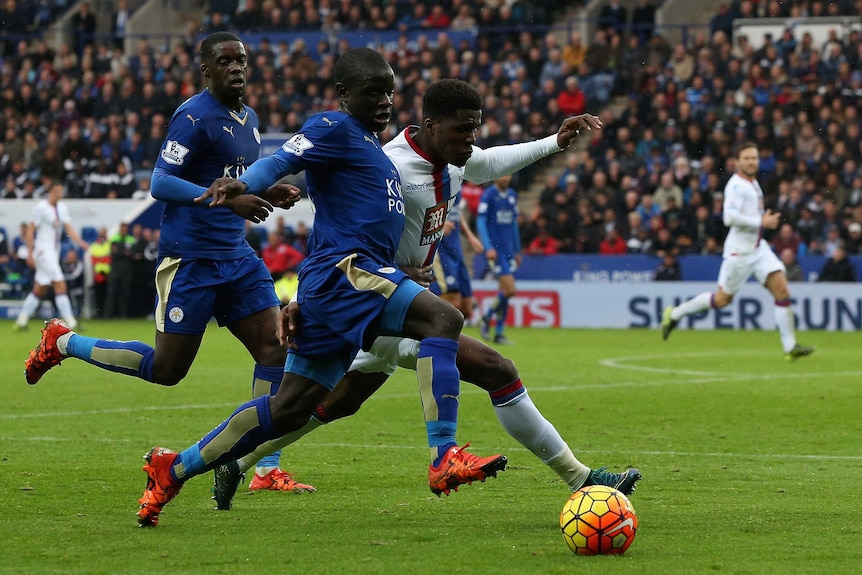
(184, 141)
(318, 145)
(486, 165)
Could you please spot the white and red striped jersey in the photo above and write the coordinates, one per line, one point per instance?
(430, 190)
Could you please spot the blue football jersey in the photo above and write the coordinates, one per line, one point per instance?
(500, 212)
(355, 188)
(205, 141)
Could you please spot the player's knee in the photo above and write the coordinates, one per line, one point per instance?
(341, 407)
(721, 300)
(447, 321)
(270, 354)
(490, 371)
(502, 369)
(168, 378)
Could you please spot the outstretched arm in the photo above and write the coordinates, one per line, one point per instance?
(486, 165)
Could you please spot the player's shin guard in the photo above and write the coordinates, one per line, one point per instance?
(522, 420)
(784, 322)
(502, 312)
(700, 302)
(276, 445)
(133, 358)
(247, 428)
(439, 388)
(266, 382)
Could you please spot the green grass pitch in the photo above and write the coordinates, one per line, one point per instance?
(751, 464)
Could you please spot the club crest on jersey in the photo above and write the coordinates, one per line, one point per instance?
(174, 153)
(434, 223)
(176, 314)
(297, 145)
(256, 134)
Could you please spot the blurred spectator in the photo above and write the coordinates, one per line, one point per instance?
(787, 238)
(792, 268)
(643, 21)
(120, 278)
(544, 244)
(613, 16)
(84, 27)
(838, 268)
(668, 270)
(613, 244)
(280, 257)
(854, 241)
(73, 273)
(119, 21)
(100, 256)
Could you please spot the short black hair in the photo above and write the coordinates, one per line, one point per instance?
(746, 146)
(212, 40)
(444, 98)
(356, 64)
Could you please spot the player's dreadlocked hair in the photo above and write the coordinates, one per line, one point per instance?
(212, 40)
(356, 64)
(444, 97)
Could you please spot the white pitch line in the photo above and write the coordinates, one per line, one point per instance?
(338, 445)
(621, 363)
(708, 377)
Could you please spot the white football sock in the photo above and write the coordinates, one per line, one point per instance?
(700, 302)
(31, 302)
(523, 421)
(65, 308)
(784, 323)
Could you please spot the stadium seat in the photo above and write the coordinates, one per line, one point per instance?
(89, 234)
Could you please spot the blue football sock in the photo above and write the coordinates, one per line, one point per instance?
(502, 312)
(439, 388)
(266, 382)
(126, 357)
(247, 427)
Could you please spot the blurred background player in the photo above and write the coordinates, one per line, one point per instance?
(497, 225)
(206, 268)
(50, 220)
(451, 275)
(746, 254)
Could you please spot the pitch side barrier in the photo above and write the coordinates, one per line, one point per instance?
(828, 306)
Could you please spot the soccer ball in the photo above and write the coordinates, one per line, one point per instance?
(598, 520)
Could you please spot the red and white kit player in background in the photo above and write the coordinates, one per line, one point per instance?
(746, 254)
(49, 220)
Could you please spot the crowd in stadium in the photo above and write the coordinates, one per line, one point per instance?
(650, 182)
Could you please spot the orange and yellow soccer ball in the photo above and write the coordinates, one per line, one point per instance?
(598, 520)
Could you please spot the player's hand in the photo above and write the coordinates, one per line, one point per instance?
(282, 196)
(250, 207)
(221, 190)
(518, 259)
(288, 320)
(423, 276)
(31, 262)
(476, 244)
(491, 255)
(573, 125)
(770, 219)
